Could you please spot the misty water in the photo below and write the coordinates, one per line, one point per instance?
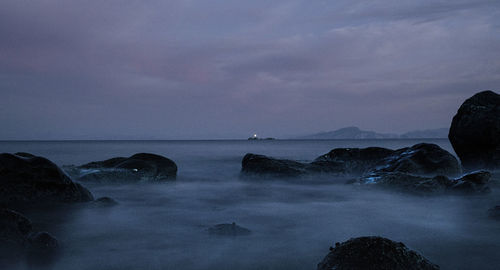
(293, 222)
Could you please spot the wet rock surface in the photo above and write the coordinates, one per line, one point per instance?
(474, 131)
(374, 253)
(472, 183)
(139, 167)
(227, 229)
(25, 178)
(420, 159)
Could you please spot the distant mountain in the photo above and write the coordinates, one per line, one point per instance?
(428, 133)
(348, 133)
(356, 133)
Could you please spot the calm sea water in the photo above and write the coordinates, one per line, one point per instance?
(163, 226)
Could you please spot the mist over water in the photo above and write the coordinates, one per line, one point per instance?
(293, 222)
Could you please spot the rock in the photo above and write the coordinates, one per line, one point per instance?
(104, 202)
(139, 167)
(420, 159)
(374, 253)
(351, 161)
(25, 178)
(14, 227)
(259, 164)
(228, 230)
(43, 240)
(17, 231)
(472, 183)
(494, 212)
(474, 132)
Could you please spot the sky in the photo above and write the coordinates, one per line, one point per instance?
(198, 69)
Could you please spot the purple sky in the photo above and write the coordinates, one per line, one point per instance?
(227, 69)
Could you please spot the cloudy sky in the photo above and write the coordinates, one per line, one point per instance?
(190, 69)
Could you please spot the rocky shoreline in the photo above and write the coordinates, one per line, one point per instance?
(426, 169)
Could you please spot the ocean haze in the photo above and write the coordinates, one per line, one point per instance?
(228, 69)
(293, 221)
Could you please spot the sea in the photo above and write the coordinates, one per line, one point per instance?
(293, 221)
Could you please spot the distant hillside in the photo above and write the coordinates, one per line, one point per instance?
(428, 133)
(348, 133)
(356, 133)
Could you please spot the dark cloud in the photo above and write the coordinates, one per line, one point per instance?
(222, 69)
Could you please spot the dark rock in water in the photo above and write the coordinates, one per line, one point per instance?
(351, 161)
(259, 164)
(494, 212)
(43, 240)
(407, 182)
(420, 159)
(14, 227)
(104, 202)
(139, 167)
(472, 183)
(16, 232)
(375, 253)
(25, 178)
(228, 230)
(475, 129)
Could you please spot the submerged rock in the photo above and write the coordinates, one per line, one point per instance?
(494, 212)
(104, 202)
(376, 253)
(25, 178)
(474, 131)
(43, 240)
(14, 227)
(16, 231)
(420, 159)
(139, 167)
(228, 230)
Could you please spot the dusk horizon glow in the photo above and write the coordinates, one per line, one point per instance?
(230, 69)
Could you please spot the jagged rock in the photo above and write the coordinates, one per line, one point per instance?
(139, 167)
(25, 178)
(228, 230)
(420, 159)
(375, 253)
(474, 132)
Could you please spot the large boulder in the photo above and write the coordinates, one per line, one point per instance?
(139, 167)
(25, 178)
(420, 159)
(475, 131)
(375, 253)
